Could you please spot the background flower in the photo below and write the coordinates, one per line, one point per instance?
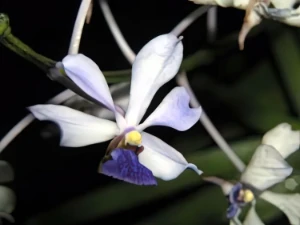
(266, 168)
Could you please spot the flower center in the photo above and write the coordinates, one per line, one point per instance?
(246, 195)
(133, 138)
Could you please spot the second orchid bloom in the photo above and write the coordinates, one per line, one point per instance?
(133, 155)
(266, 168)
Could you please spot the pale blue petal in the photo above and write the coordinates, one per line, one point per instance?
(85, 73)
(174, 111)
(157, 63)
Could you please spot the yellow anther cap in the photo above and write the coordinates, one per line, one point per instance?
(133, 138)
(248, 196)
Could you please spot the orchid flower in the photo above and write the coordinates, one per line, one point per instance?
(266, 168)
(7, 196)
(133, 155)
(285, 11)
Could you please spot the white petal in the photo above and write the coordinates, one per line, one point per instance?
(174, 111)
(279, 4)
(78, 129)
(164, 161)
(85, 73)
(287, 203)
(235, 222)
(252, 218)
(7, 200)
(266, 168)
(283, 139)
(157, 63)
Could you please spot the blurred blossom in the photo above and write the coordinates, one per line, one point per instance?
(284, 11)
(266, 168)
(7, 196)
(133, 155)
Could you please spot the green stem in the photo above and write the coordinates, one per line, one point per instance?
(20, 48)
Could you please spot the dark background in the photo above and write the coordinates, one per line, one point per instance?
(47, 175)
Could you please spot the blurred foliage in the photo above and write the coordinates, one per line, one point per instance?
(99, 202)
(196, 207)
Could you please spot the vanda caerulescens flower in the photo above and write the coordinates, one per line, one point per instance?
(7, 196)
(133, 155)
(266, 168)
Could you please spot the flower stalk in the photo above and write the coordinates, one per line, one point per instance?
(20, 48)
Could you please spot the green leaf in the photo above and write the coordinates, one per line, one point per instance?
(257, 99)
(286, 52)
(109, 200)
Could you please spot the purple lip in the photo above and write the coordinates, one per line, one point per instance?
(125, 166)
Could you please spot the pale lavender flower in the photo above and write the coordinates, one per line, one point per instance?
(133, 155)
(266, 169)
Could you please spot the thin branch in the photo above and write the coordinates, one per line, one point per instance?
(187, 21)
(113, 26)
(212, 24)
(78, 27)
(211, 129)
(17, 129)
